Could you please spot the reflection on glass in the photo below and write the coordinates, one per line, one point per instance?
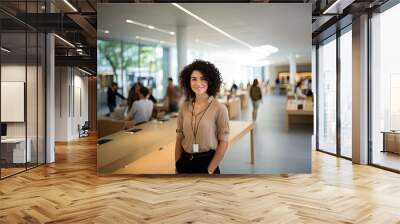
(15, 151)
(346, 94)
(327, 97)
(31, 98)
(128, 63)
(386, 89)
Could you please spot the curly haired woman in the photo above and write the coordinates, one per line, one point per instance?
(203, 122)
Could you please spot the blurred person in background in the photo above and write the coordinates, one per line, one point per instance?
(173, 95)
(142, 109)
(256, 97)
(112, 93)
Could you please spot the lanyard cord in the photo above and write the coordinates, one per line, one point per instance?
(195, 129)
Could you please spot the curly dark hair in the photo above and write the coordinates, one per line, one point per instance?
(210, 73)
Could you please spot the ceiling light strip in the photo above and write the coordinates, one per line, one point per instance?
(64, 40)
(151, 40)
(5, 50)
(86, 72)
(331, 7)
(150, 27)
(206, 43)
(70, 5)
(212, 26)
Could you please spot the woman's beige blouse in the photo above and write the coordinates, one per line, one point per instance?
(213, 127)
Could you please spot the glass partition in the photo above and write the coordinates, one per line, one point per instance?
(327, 96)
(385, 89)
(22, 93)
(346, 94)
(15, 149)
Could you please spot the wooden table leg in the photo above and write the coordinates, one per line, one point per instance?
(252, 145)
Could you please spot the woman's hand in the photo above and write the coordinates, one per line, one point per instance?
(218, 156)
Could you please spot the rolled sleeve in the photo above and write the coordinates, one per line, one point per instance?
(223, 124)
(179, 128)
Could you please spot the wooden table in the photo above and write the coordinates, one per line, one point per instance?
(244, 97)
(391, 141)
(233, 106)
(299, 116)
(14, 151)
(152, 150)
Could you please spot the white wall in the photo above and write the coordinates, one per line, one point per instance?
(71, 102)
(33, 127)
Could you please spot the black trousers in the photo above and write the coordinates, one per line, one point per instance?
(196, 164)
(173, 108)
(111, 107)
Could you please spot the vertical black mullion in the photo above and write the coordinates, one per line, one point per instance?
(26, 86)
(122, 63)
(45, 93)
(37, 90)
(369, 94)
(45, 86)
(317, 96)
(338, 98)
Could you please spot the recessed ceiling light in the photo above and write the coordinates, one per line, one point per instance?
(150, 27)
(106, 31)
(206, 43)
(265, 50)
(151, 40)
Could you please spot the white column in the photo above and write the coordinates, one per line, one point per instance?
(267, 75)
(273, 73)
(50, 99)
(181, 43)
(360, 90)
(292, 68)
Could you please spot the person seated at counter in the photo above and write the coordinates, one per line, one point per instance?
(133, 94)
(203, 122)
(298, 94)
(142, 109)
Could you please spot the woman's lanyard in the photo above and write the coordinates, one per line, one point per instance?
(195, 129)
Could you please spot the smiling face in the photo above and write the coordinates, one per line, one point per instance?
(198, 83)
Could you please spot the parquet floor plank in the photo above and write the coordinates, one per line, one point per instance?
(71, 191)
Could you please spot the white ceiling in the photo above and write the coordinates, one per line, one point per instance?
(285, 26)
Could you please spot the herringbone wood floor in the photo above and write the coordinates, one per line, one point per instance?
(70, 191)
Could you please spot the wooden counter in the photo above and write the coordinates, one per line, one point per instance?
(391, 141)
(152, 150)
(299, 116)
(127, 147)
